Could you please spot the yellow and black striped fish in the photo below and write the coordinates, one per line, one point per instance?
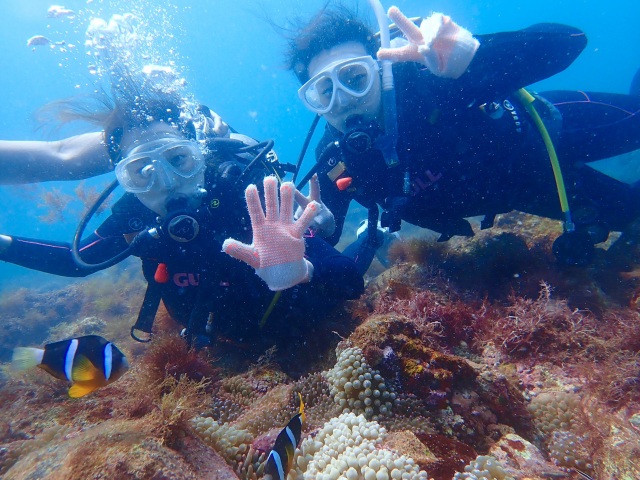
(88, 362)
(280, 459)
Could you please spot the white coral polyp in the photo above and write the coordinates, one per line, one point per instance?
(348, 447)
(484, 467)
(226, 439)
(357, 388)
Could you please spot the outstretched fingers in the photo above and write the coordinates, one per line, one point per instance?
(314, 192)
(241, 251)
(408, 53)
(287, 190)
(408, 28)
(314, 188)
(271, 198)
(305, 219)
(253, 205)
(301, 199)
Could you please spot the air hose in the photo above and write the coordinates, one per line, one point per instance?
(527, 101)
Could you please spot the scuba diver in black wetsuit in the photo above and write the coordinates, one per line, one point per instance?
(458, 136)
(184, 198)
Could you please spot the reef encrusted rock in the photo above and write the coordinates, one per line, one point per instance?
(422, 368)
(119, 449)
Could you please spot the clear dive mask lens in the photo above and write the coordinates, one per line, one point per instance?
(354, 76)
(161, 159)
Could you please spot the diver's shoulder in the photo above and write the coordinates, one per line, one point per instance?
(553, 28)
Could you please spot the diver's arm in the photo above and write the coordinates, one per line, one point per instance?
(508, 61)
(73, 158)
(55, 257)
(336, 272)
(109, 240)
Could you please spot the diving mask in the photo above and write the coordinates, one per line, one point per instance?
(354, 76)
(159, 161)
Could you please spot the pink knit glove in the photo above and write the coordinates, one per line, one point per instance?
(324, 223)
(443, 46)
(277, 250)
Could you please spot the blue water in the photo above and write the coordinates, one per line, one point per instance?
(232, 59)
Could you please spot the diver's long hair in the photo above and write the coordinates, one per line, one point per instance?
(132, 102)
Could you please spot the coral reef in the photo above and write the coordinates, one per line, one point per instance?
(233, 443)
(484, 467)
(479, 358)
(115, 449)
(349, 447)
(564, 428)
(357, 388)
(555, 411)
(53, 434)
(137, 425)
(105, 305)
(423, 369)
(518, 456)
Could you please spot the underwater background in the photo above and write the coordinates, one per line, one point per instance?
(483, 345)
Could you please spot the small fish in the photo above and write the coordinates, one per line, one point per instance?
(280, 459)
(88, 362)
(56, 11)
(38, 40)
(582, 474)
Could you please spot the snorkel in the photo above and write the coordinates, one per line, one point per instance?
(387, 143)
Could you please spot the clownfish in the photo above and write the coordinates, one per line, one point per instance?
(280, 459)
(88, 362)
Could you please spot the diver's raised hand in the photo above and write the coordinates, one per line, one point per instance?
(277, 249)
(442, 45)
(323, 223)
(213, 125)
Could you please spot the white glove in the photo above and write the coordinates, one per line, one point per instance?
(214, 126)
(323, 224)
(277, 249)
(443, 46)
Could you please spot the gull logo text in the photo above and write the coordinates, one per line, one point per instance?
(186, 279)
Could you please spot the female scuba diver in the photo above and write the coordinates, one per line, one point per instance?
(458, 136)
(73, 158)
(185, 196)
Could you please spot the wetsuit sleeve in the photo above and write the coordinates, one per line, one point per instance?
(335, 273)
(128, 216)
(56, 258)
(508, 61)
